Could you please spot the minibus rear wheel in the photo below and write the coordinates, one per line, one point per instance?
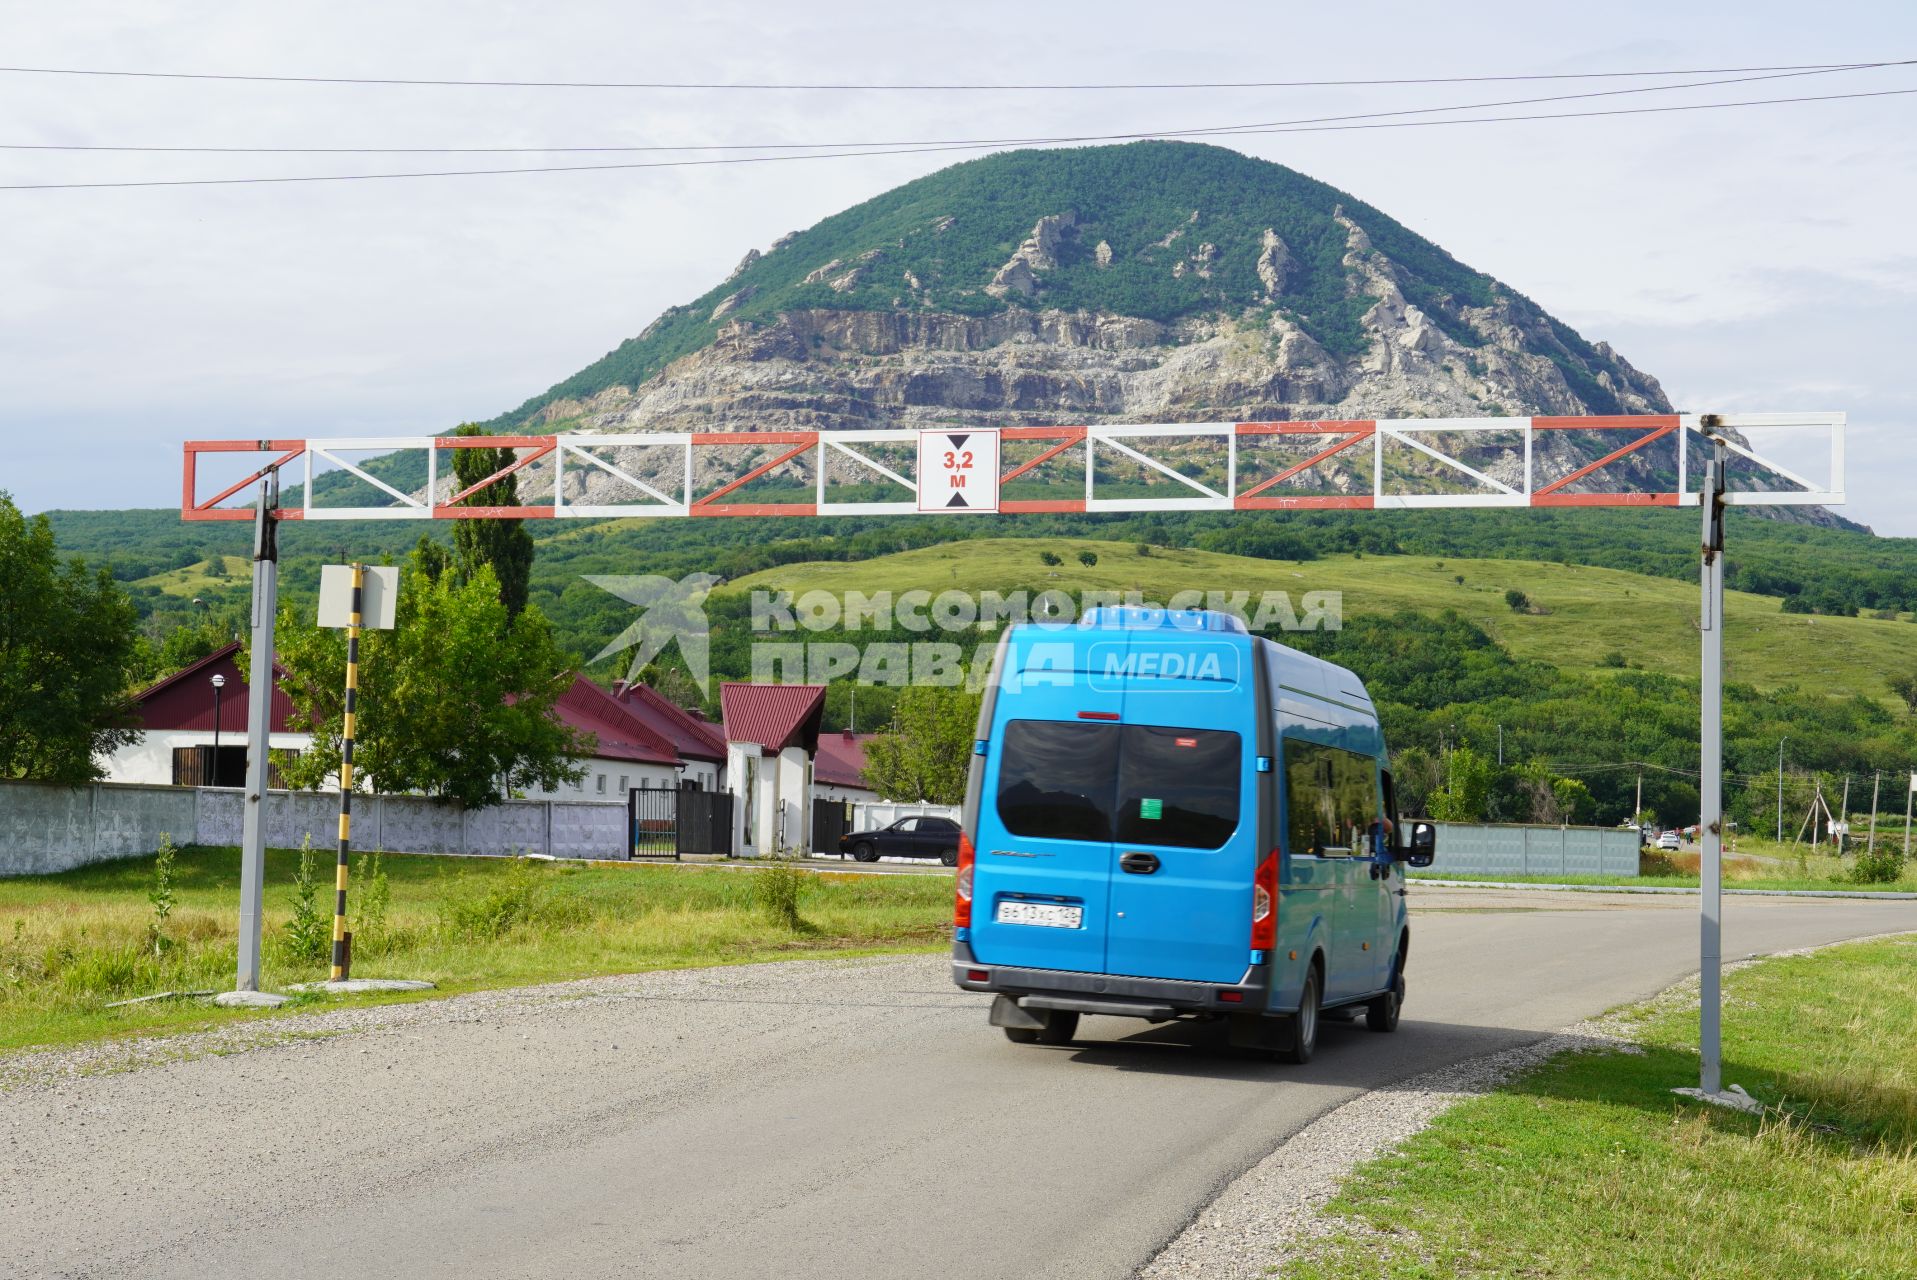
(1304, 1023)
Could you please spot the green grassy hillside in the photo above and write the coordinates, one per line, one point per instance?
(198, 578)
(1586, 614)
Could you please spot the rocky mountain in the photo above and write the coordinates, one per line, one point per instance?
(1150, 282)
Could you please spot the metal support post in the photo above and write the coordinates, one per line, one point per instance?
(1780, 787)
(342, 941)
(259, 712)
(1711, 782)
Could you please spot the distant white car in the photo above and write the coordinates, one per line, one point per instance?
(1668, 842)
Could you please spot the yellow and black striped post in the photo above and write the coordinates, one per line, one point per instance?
(342, 957)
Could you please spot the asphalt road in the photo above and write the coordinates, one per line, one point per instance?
(848, 1119)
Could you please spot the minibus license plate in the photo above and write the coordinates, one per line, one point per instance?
(1051, 915)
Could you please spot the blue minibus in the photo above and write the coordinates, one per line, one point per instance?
(1168, 817)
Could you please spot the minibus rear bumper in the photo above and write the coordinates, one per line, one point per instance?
(1154, 999)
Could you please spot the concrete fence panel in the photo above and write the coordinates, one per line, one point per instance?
(45, 829)
(1510, 850)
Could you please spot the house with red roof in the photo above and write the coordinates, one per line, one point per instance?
(838, 768)
(628, 752)
(194, 726)
(771, 733)
(699, 742)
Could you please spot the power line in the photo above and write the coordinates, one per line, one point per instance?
(1235, 131)
(955, 87)
(1201, 131)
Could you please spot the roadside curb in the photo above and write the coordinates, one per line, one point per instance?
(1864, 894)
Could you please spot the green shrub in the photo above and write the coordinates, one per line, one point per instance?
(161, 895)
(308, 932)
(375, 895)
(1882, 867)
(777, 890)
(1088, 558)
(1049, 558)
(1517, 600)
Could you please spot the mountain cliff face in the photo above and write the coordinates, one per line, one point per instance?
(1149, 282)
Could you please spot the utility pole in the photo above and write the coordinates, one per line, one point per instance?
(1711, 778)
(1637, 815)
(1907, 798)
(1876, 781)
(1500, 746)
(259, 711)
(1843, 817)
(1780, 787)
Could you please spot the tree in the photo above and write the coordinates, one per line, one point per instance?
(1517, 600)
(1905, 687)
(927, 752)
(1467, 788)
(1088, 558)
(68, 653)
(502, 544)
(1049, 558)
(456, 701)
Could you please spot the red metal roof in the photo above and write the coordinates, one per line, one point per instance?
(840, 761)
(775, 716)
(695, 739)
(183, 702)
(620, 734)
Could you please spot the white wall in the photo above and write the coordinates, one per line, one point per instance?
(706, 773)
(149, 760)
(742, 769)
(795, 799)
(883, 813)
(607, 780)
(853, 795)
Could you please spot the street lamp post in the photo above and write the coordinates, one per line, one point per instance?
(219, 683)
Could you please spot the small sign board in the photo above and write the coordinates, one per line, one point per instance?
(958, 471)
(379, 596)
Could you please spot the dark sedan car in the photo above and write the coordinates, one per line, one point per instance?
(917, 837)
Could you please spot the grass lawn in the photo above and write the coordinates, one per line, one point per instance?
(1591, 612)
(72, 943)
(1589, 1166)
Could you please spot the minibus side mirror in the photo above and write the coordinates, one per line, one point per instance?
(1422, 846)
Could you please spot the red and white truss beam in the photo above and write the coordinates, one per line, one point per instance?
(659, 473)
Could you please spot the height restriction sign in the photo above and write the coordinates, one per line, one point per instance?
(958, 471)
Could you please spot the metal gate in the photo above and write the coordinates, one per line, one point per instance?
(705, 822)
(669, 823)
(655, 822)
(831, 819)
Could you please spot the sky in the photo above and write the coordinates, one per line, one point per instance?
(1753, 259)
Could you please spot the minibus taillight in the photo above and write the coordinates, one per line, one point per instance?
(962, 887)
(1264, 904)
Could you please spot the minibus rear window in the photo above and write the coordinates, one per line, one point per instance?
(1178, 787)
(1140, 784)
(1055, 779)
